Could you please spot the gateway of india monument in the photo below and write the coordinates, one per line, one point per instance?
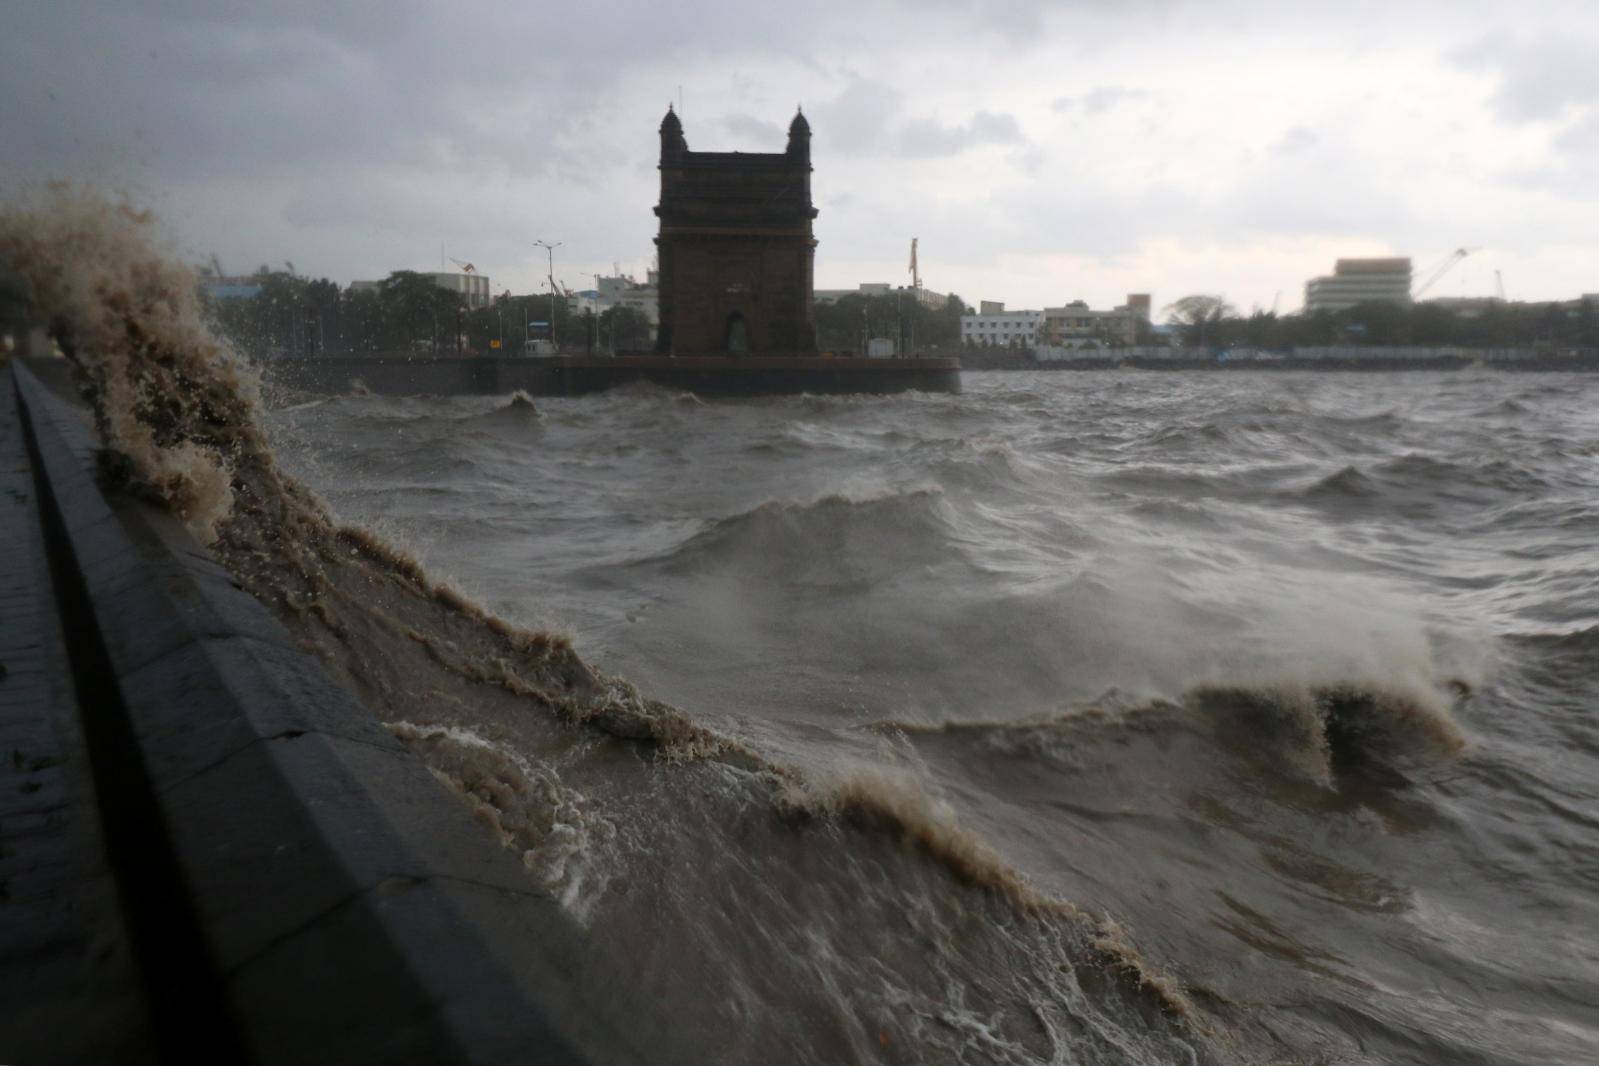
(737, 255)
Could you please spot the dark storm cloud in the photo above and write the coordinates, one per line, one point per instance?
(354, 139)
(196, 89)
(343, 134)
(195, 94)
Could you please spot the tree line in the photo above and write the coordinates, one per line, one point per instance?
(846, 323)
(298, 316)
(293, 315)
(1210, 321)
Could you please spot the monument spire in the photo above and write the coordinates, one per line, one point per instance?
(799, 137)
(673, 144)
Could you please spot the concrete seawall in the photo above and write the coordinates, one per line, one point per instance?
(265, 873)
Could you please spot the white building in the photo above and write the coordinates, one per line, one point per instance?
(474, 287)
(1359, 281)
(996, 327)
(621, 290)
(1073, 325)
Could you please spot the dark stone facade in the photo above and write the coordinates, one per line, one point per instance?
(736, 248)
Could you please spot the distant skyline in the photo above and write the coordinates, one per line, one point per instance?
(1041, 152)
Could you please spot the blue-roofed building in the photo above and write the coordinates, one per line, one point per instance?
(230, 288)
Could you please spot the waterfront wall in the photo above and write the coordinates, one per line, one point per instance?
(1318, 358)
(298, 887)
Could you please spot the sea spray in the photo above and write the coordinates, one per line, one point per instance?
(527, 808)
(173, 405)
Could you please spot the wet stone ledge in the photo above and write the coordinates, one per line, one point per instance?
(297, 887)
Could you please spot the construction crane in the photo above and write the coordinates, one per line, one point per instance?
(466, 268)
(1499, 284)
(1437, 272)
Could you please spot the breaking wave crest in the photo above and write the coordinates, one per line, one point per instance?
(518, 411)
(896, 803)
(1418, 477)
(795, 536)
(1322, 733)
(1326, 732)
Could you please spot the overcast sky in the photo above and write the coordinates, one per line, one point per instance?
(1041, 151)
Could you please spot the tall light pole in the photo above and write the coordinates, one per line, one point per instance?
(550, 248)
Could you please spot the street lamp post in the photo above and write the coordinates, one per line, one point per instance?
(550, 248)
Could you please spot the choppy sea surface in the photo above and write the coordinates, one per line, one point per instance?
(1294, 677)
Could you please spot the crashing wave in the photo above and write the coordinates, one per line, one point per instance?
(1321, 732)
(179, 418)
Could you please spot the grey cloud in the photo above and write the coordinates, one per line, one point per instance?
(1581, 138)
(1548, 79)
(1099, 100)
(858, 121)
(348, 137)
(868, 118)
(1573, 171)
(924, 137)
(988, 127)
(1538, 79)
(1322, 189)
(756, 131)
(1296, 139)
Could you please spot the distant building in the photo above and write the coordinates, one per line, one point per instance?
(1077, 324)
(473, 288)
(1074, 325)
(926, 297)
(1001, 328)
(1358, 281)
(231, 287)
(621, 290)
(865, 288)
